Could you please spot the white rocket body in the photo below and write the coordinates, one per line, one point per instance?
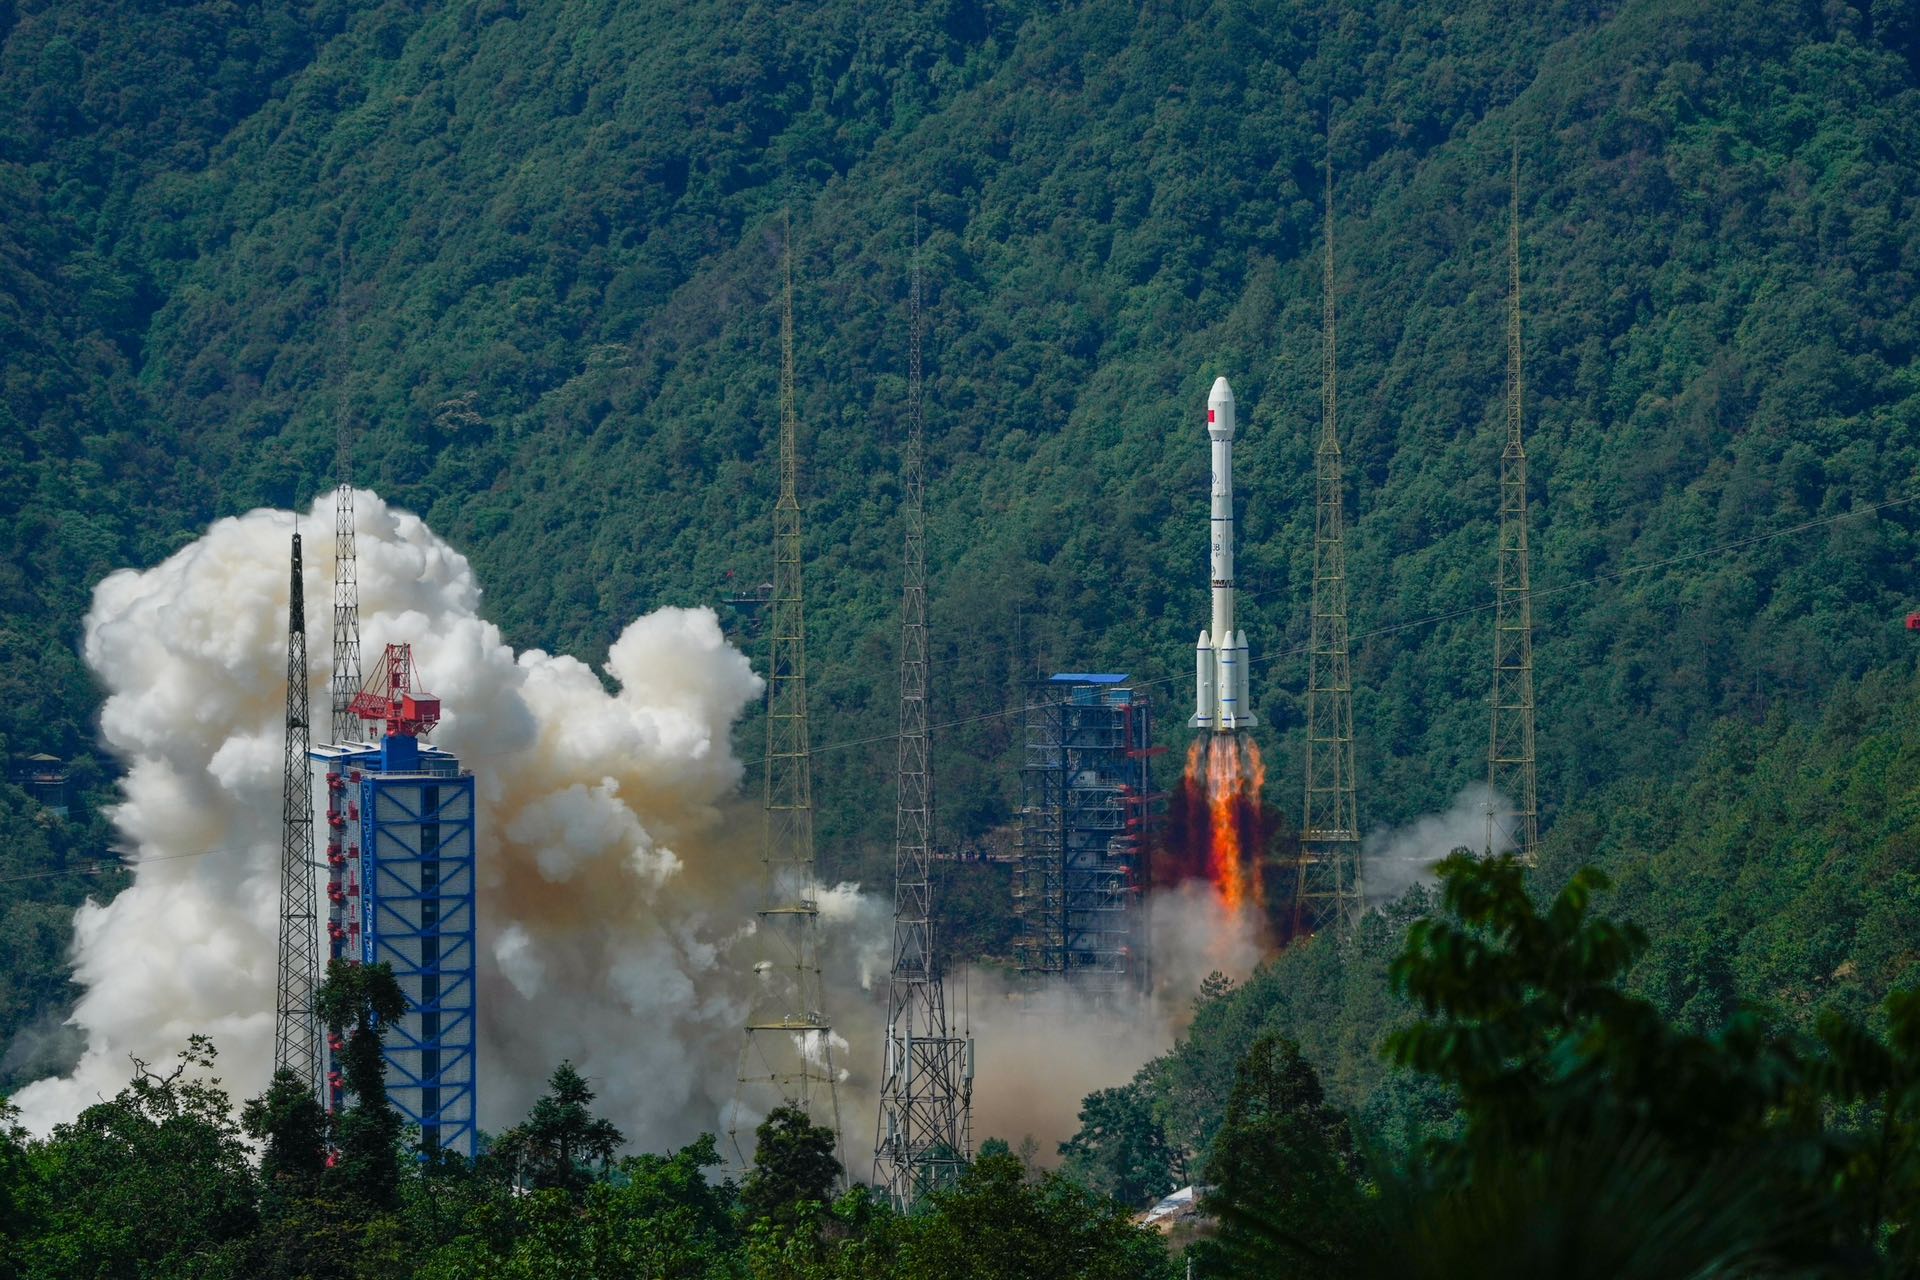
(1221, 702)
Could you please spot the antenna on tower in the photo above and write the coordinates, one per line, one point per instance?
(923, 1138)
(1327, 887)
(789, 1041)
(296, 1031)
(1513, 819)
(346, 569)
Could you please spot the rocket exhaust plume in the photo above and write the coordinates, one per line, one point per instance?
(1223, 830)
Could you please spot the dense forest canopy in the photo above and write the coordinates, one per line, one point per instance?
(526, 252)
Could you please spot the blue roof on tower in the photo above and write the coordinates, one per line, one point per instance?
(1084, 677)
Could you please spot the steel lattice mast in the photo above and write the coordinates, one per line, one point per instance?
(923, 1136)
(1328, 886)
(296, 1032)
(1513, 819)
(346, 576)
(789, 1040)
(346, 615)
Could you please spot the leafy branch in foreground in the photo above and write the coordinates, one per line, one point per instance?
(1598, 1140)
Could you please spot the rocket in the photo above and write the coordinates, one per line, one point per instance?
(1221, 702)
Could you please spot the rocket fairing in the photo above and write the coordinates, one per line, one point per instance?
(1221, 702)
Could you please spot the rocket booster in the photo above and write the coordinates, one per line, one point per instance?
(1221, 702)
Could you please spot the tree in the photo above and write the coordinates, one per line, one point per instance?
(1284, 1171)
(1526, 1020)
(301, 1233)
(666, 1220)
(1876, 1165)
(561, 1139)
(355, 1001)
(155, 1181)
(289, 1121)
(1599, 1140)
(793, 1165)
(20, 1198)
(995, 1224)
(1120, 1149)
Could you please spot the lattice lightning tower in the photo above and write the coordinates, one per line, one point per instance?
(789, 1041)
(346, 586)
(1513, 818)
(1328, 884)
(296, 1032)
(923, 1137)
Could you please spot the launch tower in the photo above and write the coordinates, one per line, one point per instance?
(400, 856)
(346, 606)
(1086, 789)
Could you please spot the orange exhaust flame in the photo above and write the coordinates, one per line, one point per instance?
(1224, 780)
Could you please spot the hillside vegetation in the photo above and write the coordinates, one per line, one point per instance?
(527, 250)
(1780, 874)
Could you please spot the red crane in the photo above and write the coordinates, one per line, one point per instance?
(389, 696)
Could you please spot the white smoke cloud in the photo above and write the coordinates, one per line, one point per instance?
(868, 923)
(617, 866)
(1194, 935)
(1040, 1052)
(1396, 860)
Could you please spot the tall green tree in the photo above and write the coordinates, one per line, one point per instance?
(1875, 1165)
(355, 1002)
(1120, 1149)
(669, 1221)
(1285, 1178)
(561, 1144)
(20, 1194)
(794, 1165)
(291, 1126)
(303, 1234)
(1599, 1139)
(1526, 1020)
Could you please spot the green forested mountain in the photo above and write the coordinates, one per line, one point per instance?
(528, 249)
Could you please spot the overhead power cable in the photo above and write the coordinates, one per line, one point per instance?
(100, 866)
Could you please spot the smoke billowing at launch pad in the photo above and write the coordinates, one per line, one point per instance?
(613, 845)
(617, 860)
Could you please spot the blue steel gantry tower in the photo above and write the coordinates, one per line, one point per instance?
(400, 891)
(1086, 796)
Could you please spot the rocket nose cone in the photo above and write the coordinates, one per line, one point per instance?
(1220, 410)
